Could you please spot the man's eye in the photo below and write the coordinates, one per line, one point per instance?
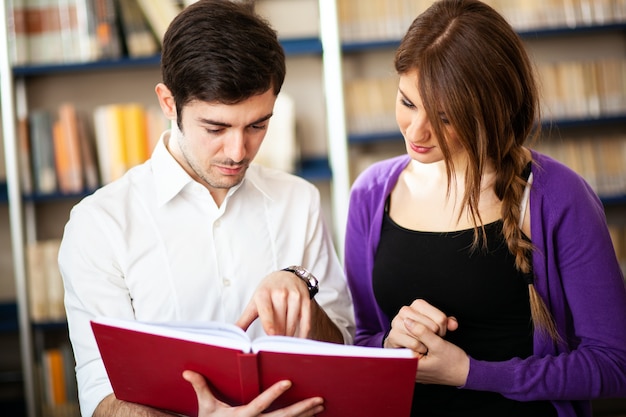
(259, 127)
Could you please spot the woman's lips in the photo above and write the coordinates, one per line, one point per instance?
(419, 148)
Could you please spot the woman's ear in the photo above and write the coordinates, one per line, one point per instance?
(166, 101)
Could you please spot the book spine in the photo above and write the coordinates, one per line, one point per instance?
(135, 134)
(18, 32)
(106, 29)
(67, 151)
(41, 142)
(249, 377)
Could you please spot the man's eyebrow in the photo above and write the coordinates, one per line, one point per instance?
(217, 123)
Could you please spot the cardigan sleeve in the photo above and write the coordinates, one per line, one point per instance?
(367, 200)
(358, 261)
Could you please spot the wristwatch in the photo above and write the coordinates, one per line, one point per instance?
(302, 273)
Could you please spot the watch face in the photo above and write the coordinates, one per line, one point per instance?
(310, 280)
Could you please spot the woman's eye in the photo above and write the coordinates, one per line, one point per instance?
(407, 103)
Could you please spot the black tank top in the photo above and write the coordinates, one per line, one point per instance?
(480, 287)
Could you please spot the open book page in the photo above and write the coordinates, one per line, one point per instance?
(210, 333)
(285, 344)
(230, 336)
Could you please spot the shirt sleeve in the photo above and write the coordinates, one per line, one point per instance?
(93, 286)
(321, 258)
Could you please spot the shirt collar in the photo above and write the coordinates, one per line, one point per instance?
(171, 178)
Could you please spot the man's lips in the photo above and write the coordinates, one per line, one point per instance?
(230, 170)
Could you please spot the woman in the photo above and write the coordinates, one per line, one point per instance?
(491, 261)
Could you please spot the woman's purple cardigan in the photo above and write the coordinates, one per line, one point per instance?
(576, 273)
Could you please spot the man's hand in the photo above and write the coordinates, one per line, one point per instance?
(282, 303)
(208, 405)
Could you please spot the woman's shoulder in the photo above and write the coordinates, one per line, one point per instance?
(381, 172)
(551, 173)
(561, 185)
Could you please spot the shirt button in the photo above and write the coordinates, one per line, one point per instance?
(226, 282)
(217, 223)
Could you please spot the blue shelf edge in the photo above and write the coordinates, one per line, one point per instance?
(568, 122)
(588, 121)
(50, 325)
(314, 169)
(569, 30)
(364, 138)
(9, 320)
(302, 46)
(292, 47)
(614, 200)
(8, 317)
(368, 45)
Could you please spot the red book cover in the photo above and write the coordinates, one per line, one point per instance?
(145, 362)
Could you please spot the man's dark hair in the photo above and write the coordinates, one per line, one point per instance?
(220, 51)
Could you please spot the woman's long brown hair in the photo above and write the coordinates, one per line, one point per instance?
(473, 67)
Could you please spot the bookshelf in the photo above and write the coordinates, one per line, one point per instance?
(313, 77)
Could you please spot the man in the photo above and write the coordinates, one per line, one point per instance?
(197, 233)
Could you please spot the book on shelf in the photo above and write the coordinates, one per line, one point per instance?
(280, 148)
(45, 285)
(121, 137)
(91, 180)
(598, 159)
(290, 19)
(24, 155)
(353, 380)
(139, 40)
(43, 31)
(59, 394)
(135, 134)
(361, 20)
(40, 124)
(618, 237)
(67, 152)
(159, 14)
(17, 32)
(105, 23)
(54, 377)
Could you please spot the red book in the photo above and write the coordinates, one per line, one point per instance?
(145, 362)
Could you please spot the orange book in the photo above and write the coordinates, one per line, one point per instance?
(135, 134)
(54, 374)
(67, 151)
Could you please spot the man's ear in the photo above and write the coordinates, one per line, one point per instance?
(166, 101)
